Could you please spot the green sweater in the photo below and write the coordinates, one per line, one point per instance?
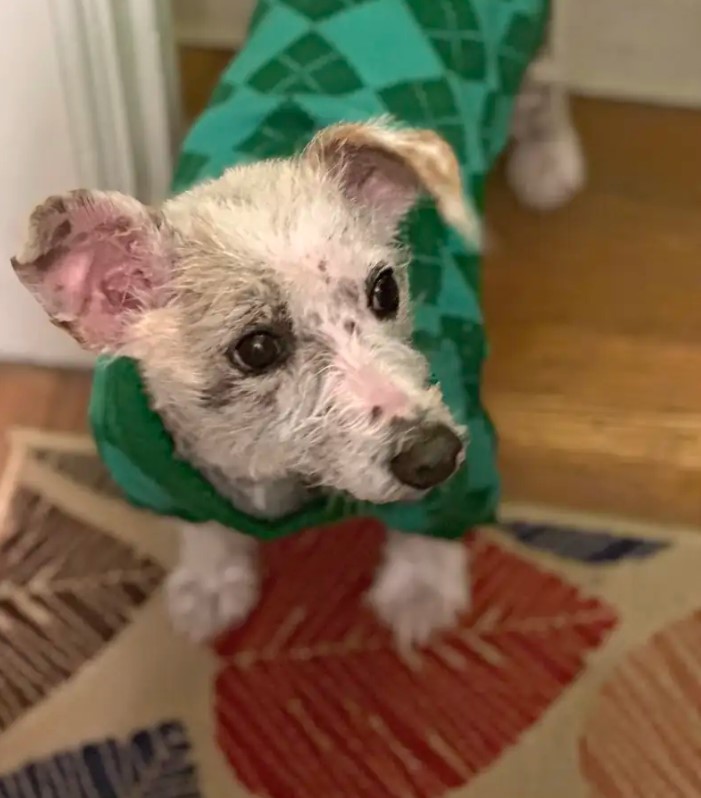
(451, 65)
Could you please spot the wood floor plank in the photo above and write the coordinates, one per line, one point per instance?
(642, 151)
(602, 485)
(592, 311)
(672, 439)
(26, 396)
(617, 370)
(606, 263)
(200, 69)
(68, 412)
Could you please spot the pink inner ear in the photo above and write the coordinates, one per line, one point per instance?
(105, 285)
(379, 182)
(94, 280)
(65, 285)
(389, 199)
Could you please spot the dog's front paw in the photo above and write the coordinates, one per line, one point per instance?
(421, 589)
(546, 173)
(204, 602)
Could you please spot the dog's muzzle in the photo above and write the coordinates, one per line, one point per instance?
(428, 458)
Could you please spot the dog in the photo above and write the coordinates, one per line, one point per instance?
(270, 315)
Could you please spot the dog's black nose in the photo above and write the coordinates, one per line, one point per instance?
(428, 459)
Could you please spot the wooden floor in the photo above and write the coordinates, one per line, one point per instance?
(594, 315)
(595, 323)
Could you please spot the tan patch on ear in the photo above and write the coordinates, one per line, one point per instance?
(427, 156)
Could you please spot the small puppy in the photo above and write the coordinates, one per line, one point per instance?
(269, 315)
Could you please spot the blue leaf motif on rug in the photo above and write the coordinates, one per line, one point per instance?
(591, 546)
(153, 763)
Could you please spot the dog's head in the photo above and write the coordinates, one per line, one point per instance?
(269, 310)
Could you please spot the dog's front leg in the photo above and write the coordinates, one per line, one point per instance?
(216, 583)
(421, 587)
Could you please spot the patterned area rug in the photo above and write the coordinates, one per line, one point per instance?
(577, 673)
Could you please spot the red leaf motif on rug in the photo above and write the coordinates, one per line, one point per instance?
(313, 701)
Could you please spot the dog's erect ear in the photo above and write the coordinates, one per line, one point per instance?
(385, 168)
(94, 260)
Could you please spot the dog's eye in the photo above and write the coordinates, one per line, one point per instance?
(258, 351)
(383, 297)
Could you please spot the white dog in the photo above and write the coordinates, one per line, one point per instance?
(269, 315)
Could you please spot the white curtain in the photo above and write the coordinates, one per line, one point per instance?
(118, 70)
(89, 100)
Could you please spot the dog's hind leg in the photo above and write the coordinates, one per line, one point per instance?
(546, 166)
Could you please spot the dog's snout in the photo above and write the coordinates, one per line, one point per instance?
(429, 457)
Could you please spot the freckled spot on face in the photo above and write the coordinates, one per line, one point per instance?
(268, 399)
(350, 326)
(375, 413)
(219, 394)
(347, 292)
(322, 266)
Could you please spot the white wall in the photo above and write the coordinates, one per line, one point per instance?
(634, 49)
(37, 159)
(88, 100)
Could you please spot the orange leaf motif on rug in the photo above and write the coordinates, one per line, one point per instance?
(643, 738)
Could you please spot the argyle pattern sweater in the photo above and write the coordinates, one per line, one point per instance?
(454, 66)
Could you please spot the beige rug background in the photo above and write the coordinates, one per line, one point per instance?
(578, 672)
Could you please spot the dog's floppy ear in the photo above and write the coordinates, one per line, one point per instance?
(94, 260)
(385, 168)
